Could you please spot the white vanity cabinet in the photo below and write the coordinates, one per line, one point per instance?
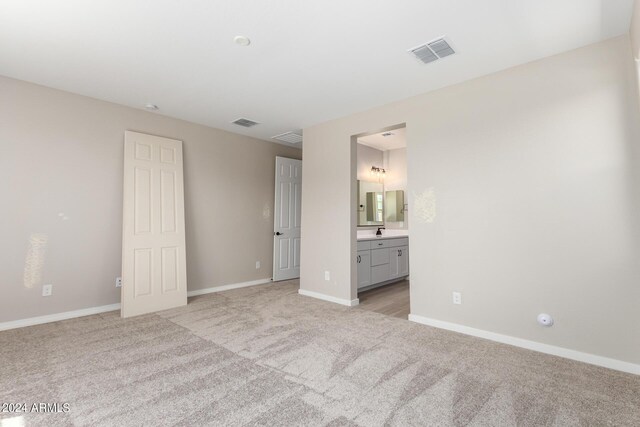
(382, 260)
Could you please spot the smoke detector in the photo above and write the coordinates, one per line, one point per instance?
(242, 40)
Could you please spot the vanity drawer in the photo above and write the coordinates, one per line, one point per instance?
(364, 246)
(379, 273)
(379, 256)
(382, 243)
(398, 242)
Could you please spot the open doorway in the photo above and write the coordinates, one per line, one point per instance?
(382, 255)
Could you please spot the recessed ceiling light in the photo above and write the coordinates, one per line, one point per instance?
(151, 107)
(242, 40)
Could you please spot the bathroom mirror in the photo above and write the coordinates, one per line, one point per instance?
(370, 203)
(395, 206)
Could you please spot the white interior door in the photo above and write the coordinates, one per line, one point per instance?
(286, 229)
(154, 274)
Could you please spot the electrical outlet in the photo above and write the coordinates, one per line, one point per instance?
(327, 275)
(47, 290)
(457, 298)
(257, 265)
(118, 282)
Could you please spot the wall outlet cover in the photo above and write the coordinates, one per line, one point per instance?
(327, 276)
(47, 290)
(457, 298)
(118, 282)
(257, 265)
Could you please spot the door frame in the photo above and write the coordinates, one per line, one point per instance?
(354, 200)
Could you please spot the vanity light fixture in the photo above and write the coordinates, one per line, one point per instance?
(379, 172)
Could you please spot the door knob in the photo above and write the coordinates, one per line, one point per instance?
(279, 233)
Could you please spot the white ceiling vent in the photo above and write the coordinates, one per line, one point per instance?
(245, 122)
(433, 50)
(290, 137)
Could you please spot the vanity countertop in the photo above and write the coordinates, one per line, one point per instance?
(386, 234)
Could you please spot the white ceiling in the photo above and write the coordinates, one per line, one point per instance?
(397, 139)
(308, 62)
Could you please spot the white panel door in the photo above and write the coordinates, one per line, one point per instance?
(154, 267)
(286, 228)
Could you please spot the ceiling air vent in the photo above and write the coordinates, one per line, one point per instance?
(433, 50)
(290, 137)
(244, 122)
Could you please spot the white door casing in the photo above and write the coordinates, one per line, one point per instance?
(287, 215)
(154, 273)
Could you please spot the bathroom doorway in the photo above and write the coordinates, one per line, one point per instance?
(382, 224)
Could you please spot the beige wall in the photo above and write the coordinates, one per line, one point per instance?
(634, 34)
(63, 153)
(535, 173)
(365, 158)
(635, 30)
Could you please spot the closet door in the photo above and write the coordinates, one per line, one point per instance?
(154, 267)
(287, 219)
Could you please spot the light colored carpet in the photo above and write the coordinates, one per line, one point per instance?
(267, 356)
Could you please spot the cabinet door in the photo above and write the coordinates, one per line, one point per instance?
(393, 263)
(364, 268)
(403, 261)
(399, 263)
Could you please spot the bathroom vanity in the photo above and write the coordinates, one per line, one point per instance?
(382, 259)
(381, 206)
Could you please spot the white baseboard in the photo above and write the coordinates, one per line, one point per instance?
(592, 359)
(105, 308)
(348, 303)
(228, 287)
(57, 317)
